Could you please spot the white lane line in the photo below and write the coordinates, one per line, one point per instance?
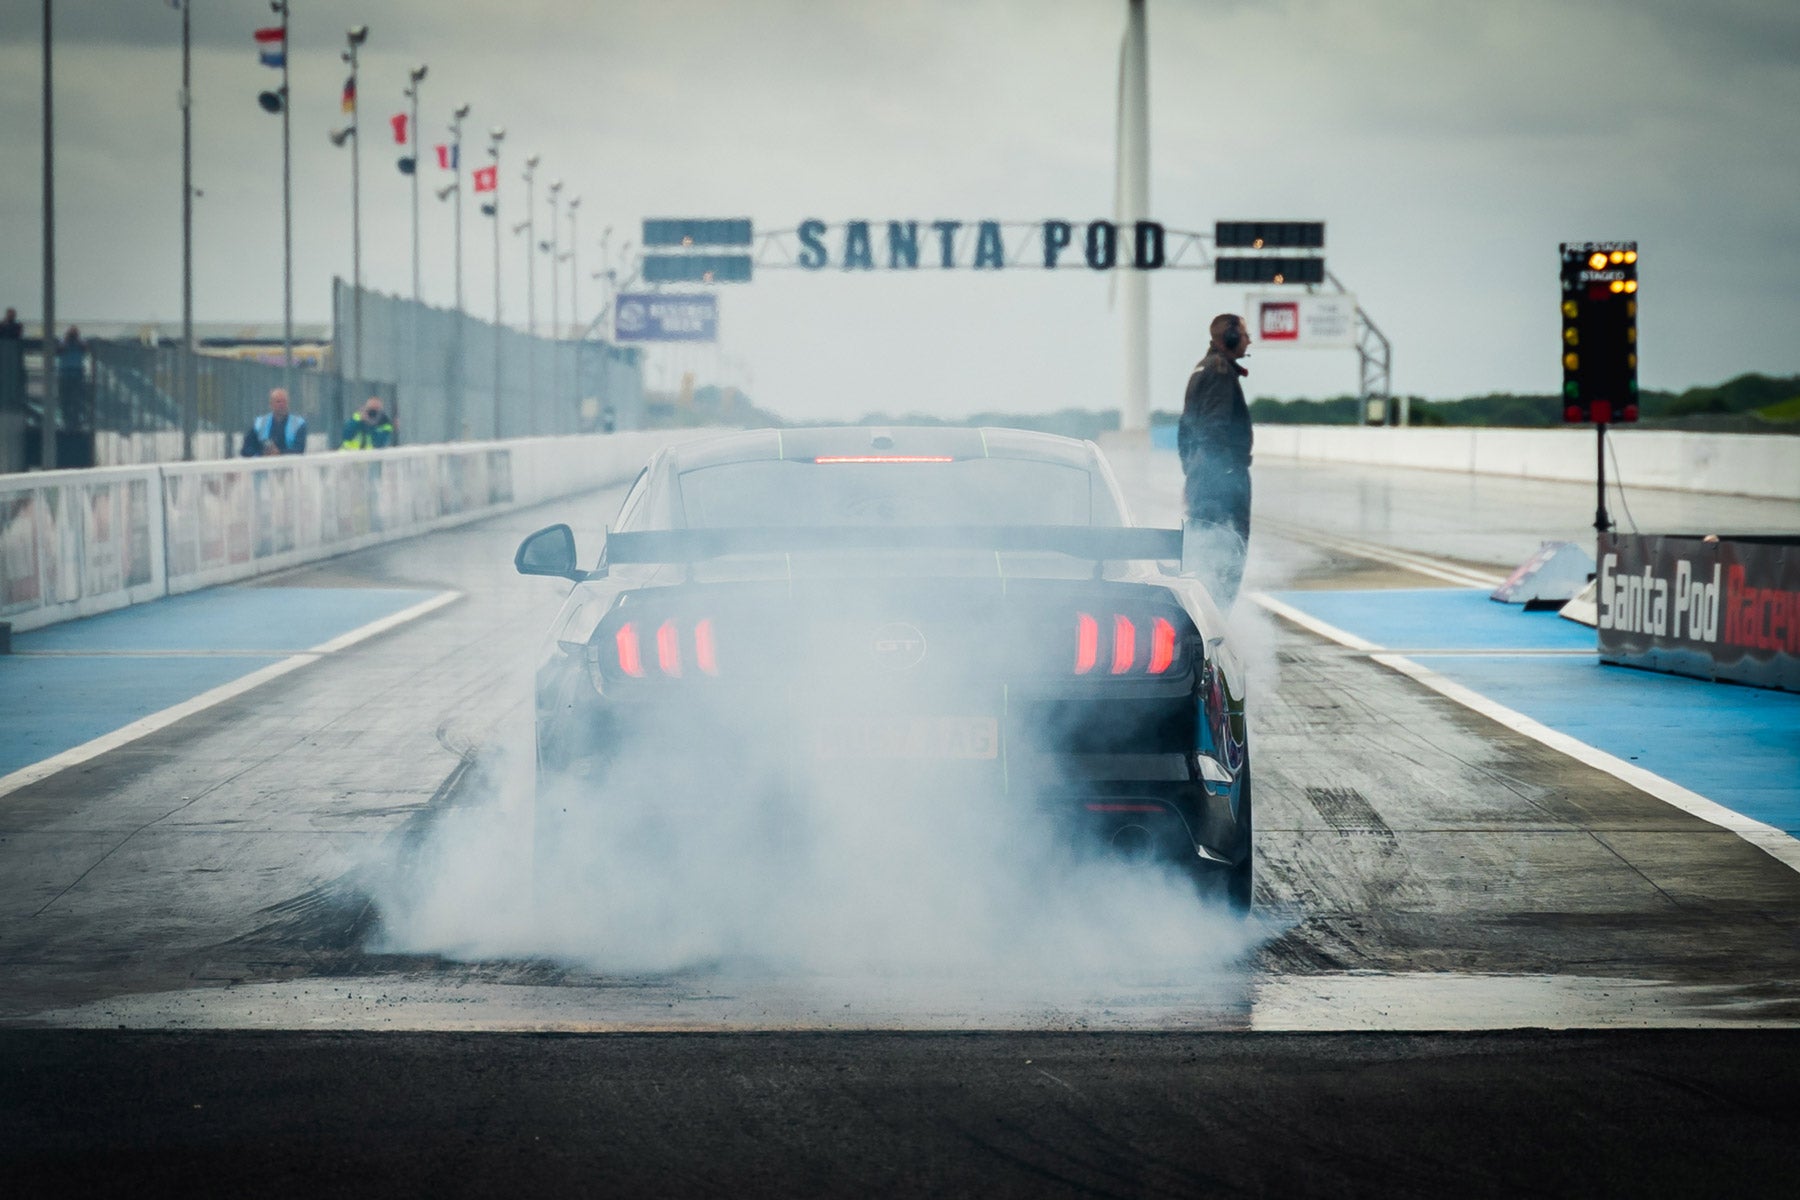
(1311, 623)
(1767, 838)
(1772, 841)
(1420, 564)
(144, 726)
(154, 653)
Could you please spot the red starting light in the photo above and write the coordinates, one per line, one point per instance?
(1572, 413)
(1630, 412)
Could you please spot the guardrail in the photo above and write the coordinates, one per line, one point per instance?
(1766, 466)
(75, 543)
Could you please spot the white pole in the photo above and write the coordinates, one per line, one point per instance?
(1134, 206)
(189, 406)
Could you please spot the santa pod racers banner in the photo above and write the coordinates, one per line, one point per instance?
(1724, 609)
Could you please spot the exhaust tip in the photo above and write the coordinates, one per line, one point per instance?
(1133, 843)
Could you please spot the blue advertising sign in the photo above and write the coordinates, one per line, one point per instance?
(648, 317)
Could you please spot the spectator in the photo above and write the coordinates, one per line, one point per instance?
(369, 429)
(276, 431)
(10, 329)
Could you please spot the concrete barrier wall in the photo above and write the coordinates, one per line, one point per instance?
(1766, 466)
(74, 543)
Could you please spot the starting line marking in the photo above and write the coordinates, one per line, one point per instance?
(144, 726)
(1767, 838)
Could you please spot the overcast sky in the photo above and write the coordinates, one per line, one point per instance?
(1449, 146)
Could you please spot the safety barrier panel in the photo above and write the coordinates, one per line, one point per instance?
(74, 543)
(1724, 608)
(1766, 466)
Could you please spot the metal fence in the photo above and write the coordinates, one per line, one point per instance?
(456, 377)
(12, 405)
(445, 377)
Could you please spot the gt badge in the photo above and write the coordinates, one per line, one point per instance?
(898, 646)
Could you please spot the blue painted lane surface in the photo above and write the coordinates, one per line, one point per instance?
(1738, 746)
(80, 680)
(1441, 619)
(276, 619)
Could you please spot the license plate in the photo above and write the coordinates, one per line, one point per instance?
(909, 737)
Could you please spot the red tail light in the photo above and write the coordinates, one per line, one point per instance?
(1162, 646)
(1122, 650)
(1087, 643)
(668, 649)
(883, 458)
(706, 654)
(630, 661)
(1124, 644)
(671, 642)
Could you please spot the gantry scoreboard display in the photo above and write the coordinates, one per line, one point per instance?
(1269, 264)
(1599, 332)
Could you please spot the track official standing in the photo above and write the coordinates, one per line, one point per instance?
(1214, 440)
(277, 431)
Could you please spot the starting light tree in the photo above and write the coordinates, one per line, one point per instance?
(1599, 333)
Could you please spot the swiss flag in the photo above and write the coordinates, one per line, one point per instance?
(487, 179)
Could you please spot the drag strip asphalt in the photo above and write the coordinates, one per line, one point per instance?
(74, 691)
(994, 1115)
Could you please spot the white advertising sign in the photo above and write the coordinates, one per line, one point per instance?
(1308, 322)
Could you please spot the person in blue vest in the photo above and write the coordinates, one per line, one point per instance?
(369, 429)
(277, 431)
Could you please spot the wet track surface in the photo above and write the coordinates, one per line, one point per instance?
(1420, 868)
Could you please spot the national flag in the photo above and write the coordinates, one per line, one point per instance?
(449, 157)
(273, 33)
(350, 94)
(398, 121)
(273, 58)
(487, 179)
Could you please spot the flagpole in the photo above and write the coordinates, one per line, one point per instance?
(461, 430)
(189, 407)
(47, 427)
(531, 355)
(356, 36)
(494, 152)
(555, 271)
(555, 305)
(287, 214)
(412, 133)
(574, 276)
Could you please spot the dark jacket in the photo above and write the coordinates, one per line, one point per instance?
(1215, 421)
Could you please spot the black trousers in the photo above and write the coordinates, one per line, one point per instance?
(1221, 499)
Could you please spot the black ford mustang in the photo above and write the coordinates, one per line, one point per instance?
(956, 608)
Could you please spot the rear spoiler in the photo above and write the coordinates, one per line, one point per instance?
(1097, 543)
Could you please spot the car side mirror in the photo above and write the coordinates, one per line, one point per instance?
(549, 551)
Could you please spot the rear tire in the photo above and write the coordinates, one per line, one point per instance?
(1235, 883)
(1240, 878)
